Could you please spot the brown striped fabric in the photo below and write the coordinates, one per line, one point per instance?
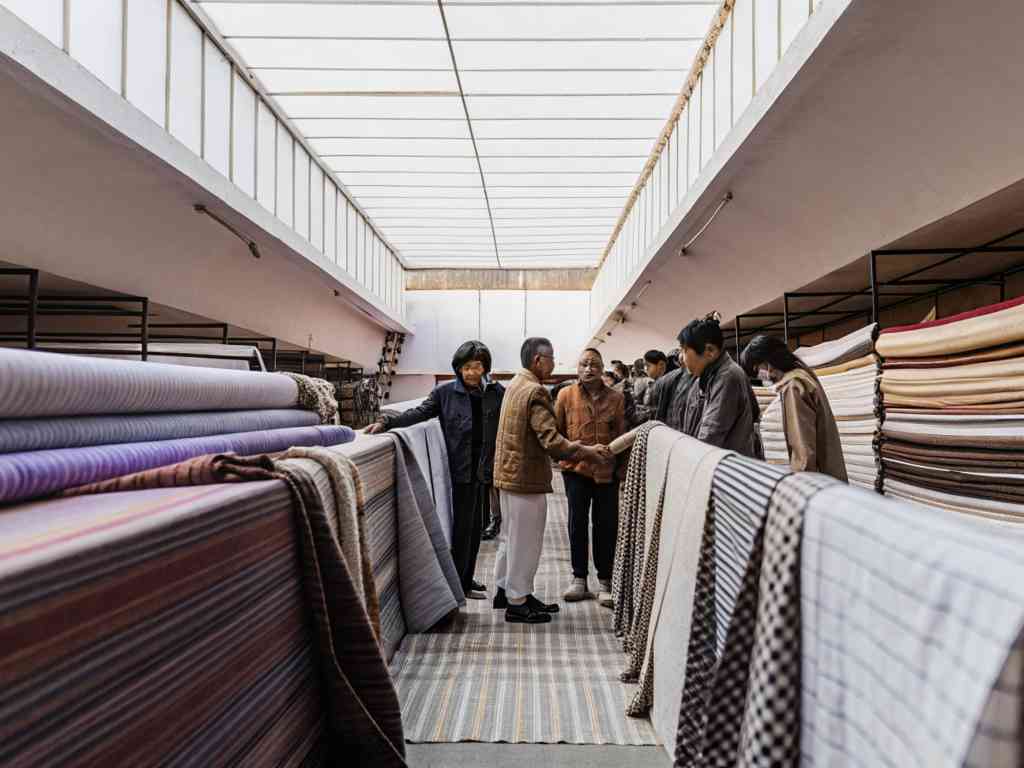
(202, 470)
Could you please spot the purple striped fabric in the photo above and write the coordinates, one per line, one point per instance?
(34, 474)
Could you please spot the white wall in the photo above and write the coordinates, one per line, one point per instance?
(441, 320)
(410, 387)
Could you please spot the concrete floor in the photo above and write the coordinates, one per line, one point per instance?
(473, 755)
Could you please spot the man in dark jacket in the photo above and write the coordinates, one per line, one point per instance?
(468, 410)
(670, 393)
(720, 403)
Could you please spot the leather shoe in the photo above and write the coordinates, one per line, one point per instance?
(479, 587)
(500, 600)
(490, 532)
(525, 614)
(537, 605)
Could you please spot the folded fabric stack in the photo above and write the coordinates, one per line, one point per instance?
(848, 370)
(67, 420)
(772, 436)
(953, 392)
(768, 601)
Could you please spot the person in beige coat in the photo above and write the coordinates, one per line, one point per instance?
(528, 438)
(812, 436)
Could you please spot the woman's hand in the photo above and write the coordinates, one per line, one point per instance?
(374, 428)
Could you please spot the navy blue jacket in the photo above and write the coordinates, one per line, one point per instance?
(450, 403)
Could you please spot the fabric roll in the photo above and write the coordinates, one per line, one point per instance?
(931, 498)
(237, 357)
(980, 373)
(1003, 352)
(725, 609)
(37, 384)
(966, 458)
(853, 346)
(859, 362)
(691, 472)
(425, 443)
(34, 474)
(990, 326)
(428, 580)
(79, 431)
(948, 586)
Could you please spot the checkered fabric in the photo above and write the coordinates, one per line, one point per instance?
(768, 733)
(629, 545)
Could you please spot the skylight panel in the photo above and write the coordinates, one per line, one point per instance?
(628, 164)
(588, 54)
(603, 128)
(279, 82)
(366, 146)
(566, 147)
(319, 19)
(604, 21)
(376, 107)
(652, 107)
(419, 165)
(357, 54)
(628, 79)
(322, 128)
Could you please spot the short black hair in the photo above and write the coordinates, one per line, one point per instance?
(672, 357)
(594, 350)
(772, 350)
(613, 376)
(638, 367)
(655, 356)
(699, 333)
(531, 348)
(621, 369)
(469, 351)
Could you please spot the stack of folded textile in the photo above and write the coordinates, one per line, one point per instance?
(953, 430)
(67, 421)
(848, 370)
(772, 437)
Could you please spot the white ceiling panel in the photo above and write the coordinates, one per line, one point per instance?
(565, 99)
(388, 147)
(576, 54)
(606, 80)
(359, 54)
(553, 147)
(563, 164)
(283, 81)
(608, 21)
(349, 107)
(628, 127)
(419, 129)
(655, 108)
(418, 165)
(318, 19)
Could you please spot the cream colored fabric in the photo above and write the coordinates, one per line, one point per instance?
(686, 499)
(861, 362)
(997, 369)
(949, 401)
(979, 332)
(997, 510)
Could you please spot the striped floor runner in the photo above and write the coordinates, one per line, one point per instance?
(481, 679)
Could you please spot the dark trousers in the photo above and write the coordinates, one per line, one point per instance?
(471, 503)
(585, 495)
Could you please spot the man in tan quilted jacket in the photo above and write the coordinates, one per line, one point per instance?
(528, 439)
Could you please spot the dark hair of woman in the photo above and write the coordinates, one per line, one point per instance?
(699, 333)
(772, 350)
(470, 351)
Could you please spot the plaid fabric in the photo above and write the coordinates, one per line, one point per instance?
(908, 617)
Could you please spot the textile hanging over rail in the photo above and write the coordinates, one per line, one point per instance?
(424, 443)
(848, 371)
(79, 431)
(37, 384)
(910, 616)
(953, 433)
(32, 474)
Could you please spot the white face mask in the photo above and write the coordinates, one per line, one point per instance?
(766, 380)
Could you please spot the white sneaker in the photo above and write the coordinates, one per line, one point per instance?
(604, 598)
(577, 591)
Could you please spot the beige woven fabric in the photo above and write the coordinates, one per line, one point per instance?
(979, 332)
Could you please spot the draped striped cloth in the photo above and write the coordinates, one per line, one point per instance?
(36, 384)
(213, 663)
(32, 474)
(725, 605)
(80, 431)
(909, 617)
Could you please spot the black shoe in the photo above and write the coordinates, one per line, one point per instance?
(490, 532)
(478, 587)
(500, 600)
(525, 614)
(537, 605)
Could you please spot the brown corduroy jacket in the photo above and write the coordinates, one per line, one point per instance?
(528, 438)
(591, 421)
(812, 435)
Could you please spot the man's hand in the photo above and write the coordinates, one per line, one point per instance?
(374, 428)
(590, 453)
(605, 453)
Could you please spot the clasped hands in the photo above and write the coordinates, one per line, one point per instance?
(600, 454)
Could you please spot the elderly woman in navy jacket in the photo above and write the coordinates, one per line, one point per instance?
(468, 410)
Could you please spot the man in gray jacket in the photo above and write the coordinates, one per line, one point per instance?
(721, 408)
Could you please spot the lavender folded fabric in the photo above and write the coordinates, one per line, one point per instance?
(78, 431)
(34, 384)
(32, 474)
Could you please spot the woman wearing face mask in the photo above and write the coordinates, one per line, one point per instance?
(812, 436)
(468, 409)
